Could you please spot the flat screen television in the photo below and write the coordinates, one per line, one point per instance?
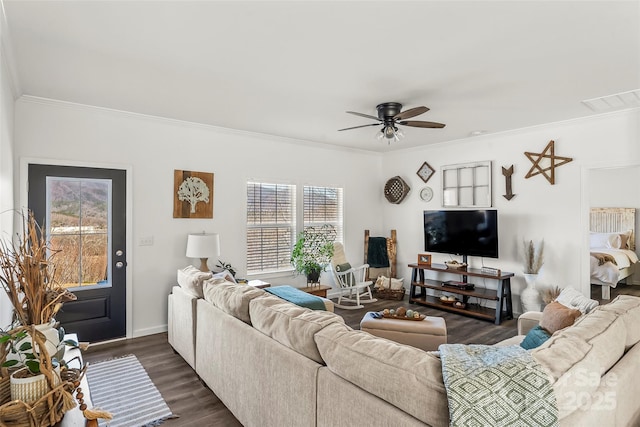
(462, 232)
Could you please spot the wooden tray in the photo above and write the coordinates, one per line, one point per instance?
(393, 316)
(447, 302)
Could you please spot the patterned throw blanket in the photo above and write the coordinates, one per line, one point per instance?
(602, 258)
(496, 386)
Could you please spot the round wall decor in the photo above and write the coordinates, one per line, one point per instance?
(395, 190)
(426, 194)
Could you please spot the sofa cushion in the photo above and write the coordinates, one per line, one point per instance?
(404, 376)
(627, 307)
(556, 316)
(231, 298)
(578, 356)
(535, 338)
(191, 280)
(291, 325)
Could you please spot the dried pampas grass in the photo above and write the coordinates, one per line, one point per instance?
(533, 254)
(550, 294)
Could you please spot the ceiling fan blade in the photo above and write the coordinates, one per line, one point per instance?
(364, 115)
(410, 113)
(420, 124)
(363, 126)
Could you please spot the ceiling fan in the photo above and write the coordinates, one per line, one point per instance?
(390, 115)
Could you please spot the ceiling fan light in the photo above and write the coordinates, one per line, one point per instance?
(399, 134)
(389, 132)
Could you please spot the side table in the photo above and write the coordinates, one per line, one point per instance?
(258, 284)
(75, 417)
(317, 290)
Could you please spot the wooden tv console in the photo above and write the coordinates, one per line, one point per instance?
(502, 296)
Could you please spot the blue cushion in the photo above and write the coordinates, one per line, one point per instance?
(535, 338)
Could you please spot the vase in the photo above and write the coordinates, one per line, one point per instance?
(31, 387)
(530, 296)
(51, 343)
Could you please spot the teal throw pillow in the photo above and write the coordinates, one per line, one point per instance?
(348, 279)
(535, 338)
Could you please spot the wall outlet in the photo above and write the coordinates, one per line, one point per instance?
(145, 241)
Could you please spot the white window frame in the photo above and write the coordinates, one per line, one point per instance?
(299, 216)
(282, 255)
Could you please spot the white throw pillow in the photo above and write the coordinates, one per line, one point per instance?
(608, 240)
(190, 279)
(572, 298)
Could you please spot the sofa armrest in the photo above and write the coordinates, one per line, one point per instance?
(528, 321)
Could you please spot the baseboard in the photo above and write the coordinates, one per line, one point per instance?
(150, 331)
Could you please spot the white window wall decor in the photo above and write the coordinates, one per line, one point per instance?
(467, 185)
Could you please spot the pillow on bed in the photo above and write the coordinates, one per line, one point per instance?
(625, 239)
(606, 240)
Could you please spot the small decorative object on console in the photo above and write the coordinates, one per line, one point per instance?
(458, 285)
(424, 259)
(455, 265)
(459, 304)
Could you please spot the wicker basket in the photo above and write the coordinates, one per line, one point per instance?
(394, 294)
(395, 190)
(50, 408)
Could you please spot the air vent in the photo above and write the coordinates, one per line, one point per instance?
(618, 101)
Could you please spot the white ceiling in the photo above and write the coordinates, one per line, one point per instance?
(292, 68)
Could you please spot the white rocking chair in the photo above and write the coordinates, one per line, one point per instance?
(350, 282)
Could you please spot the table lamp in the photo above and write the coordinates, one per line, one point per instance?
(203, 246)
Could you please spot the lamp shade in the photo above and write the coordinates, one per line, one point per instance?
(203, 246)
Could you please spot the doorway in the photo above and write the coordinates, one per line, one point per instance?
(82, 211)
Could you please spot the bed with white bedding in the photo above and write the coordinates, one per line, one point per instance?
(612, 247)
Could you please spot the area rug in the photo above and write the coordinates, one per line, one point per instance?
(122, 387)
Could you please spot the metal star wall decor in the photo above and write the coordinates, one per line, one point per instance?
(545, 163)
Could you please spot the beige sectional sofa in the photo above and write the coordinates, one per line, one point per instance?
(276, 364)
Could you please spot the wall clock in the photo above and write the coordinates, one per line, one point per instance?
(425, 172)
(426, 194)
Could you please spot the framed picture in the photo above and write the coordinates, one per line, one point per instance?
(424, 259)
(192, 194)
(425, 172)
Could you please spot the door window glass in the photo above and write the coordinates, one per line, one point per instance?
(78, 227)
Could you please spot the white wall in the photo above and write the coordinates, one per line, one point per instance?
(556, 213)
(6, 162)
(153, 148)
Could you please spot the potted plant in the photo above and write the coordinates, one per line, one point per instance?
(533, 255)
(34, 370)
(313, 251)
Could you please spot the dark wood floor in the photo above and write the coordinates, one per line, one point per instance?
(197, 405)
